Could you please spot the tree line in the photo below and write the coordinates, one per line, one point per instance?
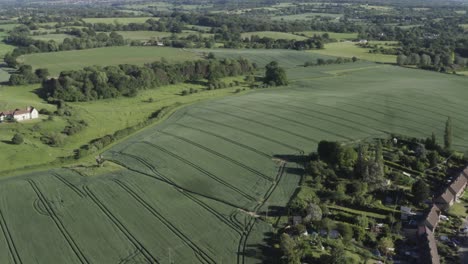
(94, 83)
(85, 39)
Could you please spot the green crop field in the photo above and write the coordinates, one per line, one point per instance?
(287, 58)
(192, 188)
(350, 49)
(119, 20)
(147, 35)
(306, 16)
(8, 27)
(333, 35)
(77, 59)
(56, 37)
(273, 35)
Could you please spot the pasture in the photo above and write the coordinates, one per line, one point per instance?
(148, 35)
(306, 16)
(55, 37)
(333, 35)
(77, 59)
(350, 49)
(192, 188)
(273, 35)
(117, 20)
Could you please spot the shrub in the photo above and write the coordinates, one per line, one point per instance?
(17, 139)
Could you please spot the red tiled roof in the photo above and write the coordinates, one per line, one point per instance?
(459, 183)
(18, 111)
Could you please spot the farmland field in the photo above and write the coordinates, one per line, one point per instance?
(147, 35)
(306, 16)
(191, 188)
(77, 59)
(333, 35)
(273, 35)
(350, 49)
(119, 20)
(56, 37)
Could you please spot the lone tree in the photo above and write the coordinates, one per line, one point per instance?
(275, 74)
(448, 134)
(420, 191)
(17, 139)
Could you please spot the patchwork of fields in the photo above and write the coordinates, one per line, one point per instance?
(78, 59)
(191, 188)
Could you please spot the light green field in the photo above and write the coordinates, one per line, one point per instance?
(378, 7)
(77, 59)
(333, 35)
(305, 16)
(8, 27)
(147, 35)
(273, 35)
(4, 48)
(192, 184)
(350, 49)
(56, 37)
(119, 20)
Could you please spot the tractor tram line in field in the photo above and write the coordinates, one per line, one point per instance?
(264, 124)
(9, 239)
(58, 222)
(247, 132)
(248, 109)
(221, 156)
(275, 104)
(421, 109)
(251, 223)
(200, 169)
(160, 177)
(201, 255)
(241, 145)
(308, 115)
(75, 189)
(190, 195)
(131, 238)
(398, 109)
(349, 111)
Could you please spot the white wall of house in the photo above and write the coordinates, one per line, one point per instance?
(22, 117)
(34, 114)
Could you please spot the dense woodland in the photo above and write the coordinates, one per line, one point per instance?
(93, 83)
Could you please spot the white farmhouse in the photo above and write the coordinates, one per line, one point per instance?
(19, 114)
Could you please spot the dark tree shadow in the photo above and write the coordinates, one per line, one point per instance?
(300, 159)
(9, 142)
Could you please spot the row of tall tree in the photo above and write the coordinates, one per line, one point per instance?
(94, 83)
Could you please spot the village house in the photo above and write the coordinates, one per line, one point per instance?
(432, 218)
(428, 247)
(426, 240)
(19, 114)
(453, 192)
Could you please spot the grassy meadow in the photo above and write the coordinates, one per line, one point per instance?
(78, 59)
(333, 35)
(118, 20)
(148, 35)
(273, 35)
(55, 37)
(306, 16)
(350, 49)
